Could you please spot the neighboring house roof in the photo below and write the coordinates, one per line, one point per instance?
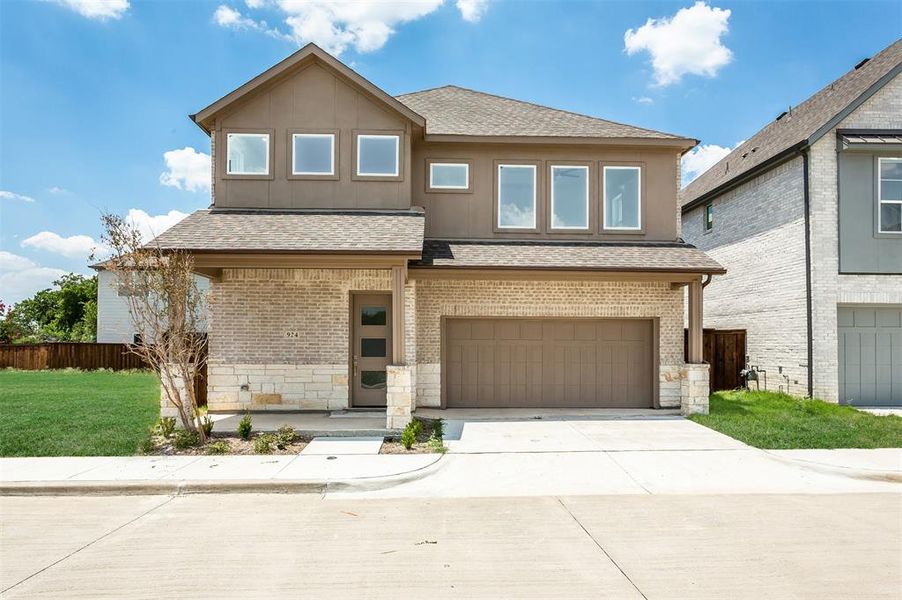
(799, 127)
(667, 257)
(457, 111)
(299, 60)
(384, 232)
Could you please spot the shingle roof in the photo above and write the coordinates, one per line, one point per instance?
(798, 125)
(601, 256)
(297, 231)
(452, 110)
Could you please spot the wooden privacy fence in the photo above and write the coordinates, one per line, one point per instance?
(724, 350)
(87, 356)
(64, 355)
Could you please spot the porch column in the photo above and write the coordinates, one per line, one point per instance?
(696, 354)
(398, 277)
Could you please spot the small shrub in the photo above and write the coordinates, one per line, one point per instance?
(206, 424)
(245, 427)
(218, 447)
(438, 429)
(416, 426)
(409, 435)
(285, 435)
(166, 425)
(185, 439)
(263, 443)
(437, 445)
(147, 445)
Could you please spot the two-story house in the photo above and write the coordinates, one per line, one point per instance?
(445, 248)
(805, 215)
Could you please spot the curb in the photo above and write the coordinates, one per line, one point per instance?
(237, 486)
(850, 472)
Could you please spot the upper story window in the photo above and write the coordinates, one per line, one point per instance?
(889, 194)
(709, 216)
(569, 197)
(247, 153)
(313, 154)
(516, 196)
(449, 176)
(378, 155)
(622, 198)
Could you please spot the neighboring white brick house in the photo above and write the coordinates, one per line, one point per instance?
(114, 323)
(757, 197)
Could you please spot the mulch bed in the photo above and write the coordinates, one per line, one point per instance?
(165, 447)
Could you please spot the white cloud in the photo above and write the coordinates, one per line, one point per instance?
(74, 246)
(187, 169)
(58, 190)
(686, 44)
(337, 25)
(644, 100)
(152, 226)
(701, 158)
(472, 10)
(97, 9)
(4, 195)
(21, 277)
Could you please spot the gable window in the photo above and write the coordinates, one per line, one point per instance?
(516, 196)
(622, 198)
(569, 197)
(449, 176)
(889, 194)
(313, 153)
(247, 153)
(378, 155)
(709, 216)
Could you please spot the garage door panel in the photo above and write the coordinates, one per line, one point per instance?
(549, 363)
(870, 355)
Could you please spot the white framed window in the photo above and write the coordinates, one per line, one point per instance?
(569, 197)
(889, 195)
(449, 176)
(313, 154)
(378, 155)
(516, 196)
(247, 153)
(622, 198)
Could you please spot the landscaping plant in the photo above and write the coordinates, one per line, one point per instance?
(285, 435)
(185, 439)
(218, 447)
(263, 443)
(409, 435)
(166, 425)
(166, 309)
(438, 429)
(206, 425)
(245, 427)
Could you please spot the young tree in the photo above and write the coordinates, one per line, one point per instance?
(166, 309)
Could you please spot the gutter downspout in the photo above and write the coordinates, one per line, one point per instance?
(807, 202)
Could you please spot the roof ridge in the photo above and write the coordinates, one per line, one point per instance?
(546, 107)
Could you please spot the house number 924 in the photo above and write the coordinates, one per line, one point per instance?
(292, 334)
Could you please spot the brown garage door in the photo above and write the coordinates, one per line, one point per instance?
(548, 363)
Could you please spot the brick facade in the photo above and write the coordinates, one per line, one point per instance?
(257, 362)
(759, 236)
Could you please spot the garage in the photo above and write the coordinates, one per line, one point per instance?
(548, 363)
(870, 355)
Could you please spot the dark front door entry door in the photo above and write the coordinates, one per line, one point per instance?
(370, 348)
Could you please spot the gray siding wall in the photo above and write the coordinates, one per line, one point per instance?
(861, 248)
(759, 236)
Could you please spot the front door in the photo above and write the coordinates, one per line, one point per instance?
(370, 348)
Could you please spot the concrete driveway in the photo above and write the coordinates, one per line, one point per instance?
(581, 433)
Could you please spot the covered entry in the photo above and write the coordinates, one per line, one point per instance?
(548, 363)
(870, 355)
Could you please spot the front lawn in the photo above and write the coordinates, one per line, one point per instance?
(777, 421)
(76, 413)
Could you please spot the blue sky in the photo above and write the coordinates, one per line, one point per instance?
(94, 93)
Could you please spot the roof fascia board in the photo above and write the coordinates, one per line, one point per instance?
(310, 51)
(684, 144)
(551, 274)
(774, 161)
(861, 99)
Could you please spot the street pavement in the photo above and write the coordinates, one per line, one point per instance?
(278, 545)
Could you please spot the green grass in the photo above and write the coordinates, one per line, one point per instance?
(76, 413)
(777, 421)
